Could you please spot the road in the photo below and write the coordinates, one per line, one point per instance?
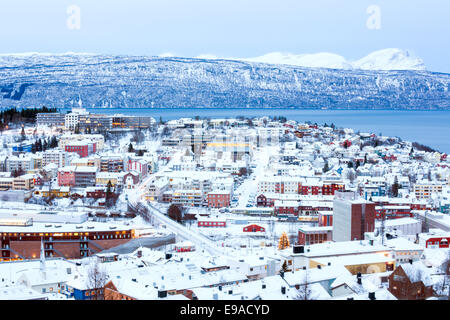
(180, 230)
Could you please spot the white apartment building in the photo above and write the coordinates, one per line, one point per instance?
(424, 189)
(58, 157)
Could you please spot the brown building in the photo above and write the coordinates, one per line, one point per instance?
(19, 240)
(112, 293)
(352, 216)
(411, 281)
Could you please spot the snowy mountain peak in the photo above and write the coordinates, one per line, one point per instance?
(390, 59)
(387, 59)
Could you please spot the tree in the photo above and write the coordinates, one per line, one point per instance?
(130, 147)
(96, 280)
(304, 291)
(109, 197)
(243, 171)
(442, 286)
(175, 212)
(22, 134)
(351, 175)
(326, 167)
(284, 267)
(395, 187)
(283, 242)
(350, 164)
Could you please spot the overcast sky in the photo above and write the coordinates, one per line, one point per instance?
(228, 28)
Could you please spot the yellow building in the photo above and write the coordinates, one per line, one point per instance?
(24, 182)
(363, 263)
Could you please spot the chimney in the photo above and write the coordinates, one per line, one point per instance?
(410, 261)
(372, 296)
(283, 290)
(358, 278)
(139, 253)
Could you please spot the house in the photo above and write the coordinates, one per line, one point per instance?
(253, 229)
(411, 281)
(185, 246)
(20, 292)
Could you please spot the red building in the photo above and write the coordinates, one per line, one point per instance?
(211, 223)
(84, 149)
(325, 218)
(434, 241)
(66, 176)
(95, 192)
(285, 208)
(219, 199)
(392, 212)
(253, 228)
(311, 235)
(352, 216)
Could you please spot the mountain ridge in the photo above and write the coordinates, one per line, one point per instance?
(171, 82)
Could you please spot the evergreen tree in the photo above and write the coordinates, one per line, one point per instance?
(109, 194)
(326, 167)
(130, 147)
(395, 187)
(22, 134)
(283, 242)
(357, 164)
(350, 164)
(284, 267)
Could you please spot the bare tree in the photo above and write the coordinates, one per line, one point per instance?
(96, 280)
(304, 291)
(442, 287)
(351, 175)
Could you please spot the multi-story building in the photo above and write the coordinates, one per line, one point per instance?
(55, 156)
(85, 176)
(19, 163)
(189, 198)
(219, 199)
(111, 164)
(50, 119)
(132, 122)
(69, 138)
(424, 189)
(24, 182)
(22, 239)
(352, 216)
(94, 122)
(66, 176)
(311, 235)
(83, 148)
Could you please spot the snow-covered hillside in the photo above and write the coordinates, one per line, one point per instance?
(29, 80)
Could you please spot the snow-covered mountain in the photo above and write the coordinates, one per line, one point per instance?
(387, 59)
(56, 80)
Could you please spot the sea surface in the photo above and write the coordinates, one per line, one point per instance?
(431, 128)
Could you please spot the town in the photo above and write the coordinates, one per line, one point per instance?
(129, 207)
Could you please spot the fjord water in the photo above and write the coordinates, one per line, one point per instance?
(431, 128)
